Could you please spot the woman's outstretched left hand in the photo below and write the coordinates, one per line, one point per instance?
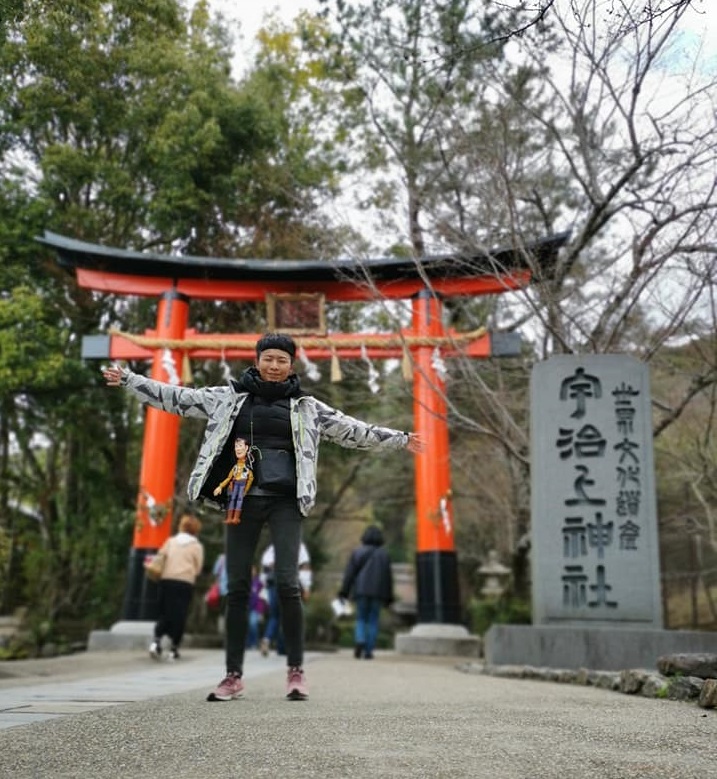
(416, 443)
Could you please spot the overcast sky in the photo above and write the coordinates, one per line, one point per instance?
(246, 18)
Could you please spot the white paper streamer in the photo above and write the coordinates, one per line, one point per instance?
(170, 366)
(438, 365)
(373, 374)
(311, 368)
(226, 370)
(154, 510)
(445, 514)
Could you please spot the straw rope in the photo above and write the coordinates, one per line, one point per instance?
(308, 342)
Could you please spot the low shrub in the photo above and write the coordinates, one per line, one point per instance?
(504, 611)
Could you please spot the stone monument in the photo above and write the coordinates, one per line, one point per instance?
(594, 533)
(595, 555)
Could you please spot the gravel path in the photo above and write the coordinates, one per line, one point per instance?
(395, 716)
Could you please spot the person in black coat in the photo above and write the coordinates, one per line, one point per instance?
(368, 581)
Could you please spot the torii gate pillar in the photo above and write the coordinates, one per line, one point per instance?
(436, 560)
(157, 473)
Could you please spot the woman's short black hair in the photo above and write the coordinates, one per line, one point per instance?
(276, 341)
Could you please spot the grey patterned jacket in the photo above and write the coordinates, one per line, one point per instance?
(311, 421)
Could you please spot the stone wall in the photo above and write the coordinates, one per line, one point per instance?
(679, 677)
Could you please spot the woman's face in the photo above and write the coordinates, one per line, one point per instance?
(274, 365)
(240, 448)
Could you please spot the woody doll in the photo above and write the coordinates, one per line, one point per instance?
(239, 480)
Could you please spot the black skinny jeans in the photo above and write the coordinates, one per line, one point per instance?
(284, 519)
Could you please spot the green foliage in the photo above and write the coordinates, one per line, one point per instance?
(319, 620)
(5, 549)
(663, 692)
(31, 345)
(10, 11)
(15, 650)
(504, 611)
(140, 136)
(118, 114)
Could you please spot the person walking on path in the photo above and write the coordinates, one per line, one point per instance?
(183, 560)
(284, 425)
(219, 571)
(369, 582)
(272, 629)
(257, 609)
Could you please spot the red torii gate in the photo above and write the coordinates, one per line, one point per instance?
(175, 281)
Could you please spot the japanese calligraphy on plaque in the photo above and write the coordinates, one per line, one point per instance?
(593, 518)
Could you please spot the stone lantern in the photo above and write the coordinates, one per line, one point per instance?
(494, 575)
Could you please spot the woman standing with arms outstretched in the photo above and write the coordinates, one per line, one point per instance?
(283, 425)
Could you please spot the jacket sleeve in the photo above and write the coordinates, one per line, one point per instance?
(352, 433)
(348, 579)
(184, 401)
(389, 578)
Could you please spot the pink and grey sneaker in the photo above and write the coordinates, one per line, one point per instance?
(296, 687)
(230, 687)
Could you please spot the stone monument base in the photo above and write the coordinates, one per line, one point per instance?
(595, 648)
(138, 634)
(437, 639)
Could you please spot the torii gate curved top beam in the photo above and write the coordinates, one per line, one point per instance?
(127, 272)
